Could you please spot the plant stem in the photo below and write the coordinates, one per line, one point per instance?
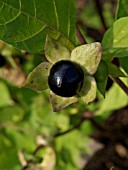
(87, 115)
(37, 149)
(71, 129)
(80, 36)
(99, 9)
(120, 83)
(96, 125)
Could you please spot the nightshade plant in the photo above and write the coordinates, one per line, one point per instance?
(50, 28)
(86, 57)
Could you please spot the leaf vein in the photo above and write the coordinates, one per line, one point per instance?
(11, 19)
(32, 35)
(49, 28)
(69, 19)
(56, 14)
(25, 13)
(34, 7)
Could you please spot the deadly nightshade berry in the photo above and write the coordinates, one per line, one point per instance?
(2, 61)
(65, 78)
(84, 61)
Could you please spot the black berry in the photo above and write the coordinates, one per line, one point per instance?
(66, 78)
(2, 61)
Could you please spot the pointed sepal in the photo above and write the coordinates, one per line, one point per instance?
(88, 90)
(38, 78)
(88, 56)
(55, 51)
(59, 103)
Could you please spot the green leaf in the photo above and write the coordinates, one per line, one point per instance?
(25, 25)
(115, 99)
(62, 122)
(25, 96)
(117, 35)
(11, 141)
(69, 152)
(115, 71)
(122, 9)
(123, 62)
(102, 72)
(9, 159)
(11, 114)
(4, 95)
(38, 78)
(115, 40)
(88, 56)
(109, 53)
(120, 53)
(20, 139)
(55, 51)
(101, 86)
(58, 103)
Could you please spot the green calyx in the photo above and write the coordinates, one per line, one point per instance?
(87, 56)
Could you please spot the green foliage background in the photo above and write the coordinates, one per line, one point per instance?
(25, 114)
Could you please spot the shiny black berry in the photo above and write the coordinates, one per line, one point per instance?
(2, 61)
(66, 78)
